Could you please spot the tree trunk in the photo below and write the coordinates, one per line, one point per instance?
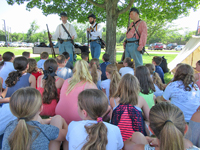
(111, 23)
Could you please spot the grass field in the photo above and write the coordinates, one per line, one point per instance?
(146, 58)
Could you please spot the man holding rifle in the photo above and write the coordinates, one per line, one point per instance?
(136, 37)
(65, 33)
(95, 33)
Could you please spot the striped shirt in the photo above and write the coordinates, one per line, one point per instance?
(129, 119)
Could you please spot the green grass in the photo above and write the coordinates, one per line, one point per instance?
(146, 58)
(15, 50)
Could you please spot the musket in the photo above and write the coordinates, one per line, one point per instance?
(51, 44)
(123, 56)
(88, 44)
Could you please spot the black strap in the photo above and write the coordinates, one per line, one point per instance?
(66, 31)
(132, 26)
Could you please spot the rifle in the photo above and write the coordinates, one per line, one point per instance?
(88, 44)
(51, 44)
(123, 56)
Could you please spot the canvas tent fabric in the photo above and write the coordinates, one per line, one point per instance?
(189, 55)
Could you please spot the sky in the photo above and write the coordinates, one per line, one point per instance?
(18, 19)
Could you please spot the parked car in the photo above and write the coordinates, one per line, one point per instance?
(14, 44)
(86, 44)
(36, 44)
(171, 46)
(157, 46)
(2, 43)
(8, 43)
(79, 44)
(29, 45)
(179, 47)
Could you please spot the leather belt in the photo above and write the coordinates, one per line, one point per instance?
(67, 40)
(94, 40)
(133, 41)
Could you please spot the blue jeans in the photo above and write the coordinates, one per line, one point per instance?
(67, 47)
(132, 52)
(95, 49)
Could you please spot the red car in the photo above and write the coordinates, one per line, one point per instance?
(157, 46)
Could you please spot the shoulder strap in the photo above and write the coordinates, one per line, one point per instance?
(66, 31)
(96, 26)
(136, 29)
(132, 26)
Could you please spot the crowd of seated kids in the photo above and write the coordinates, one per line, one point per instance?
(53, 104)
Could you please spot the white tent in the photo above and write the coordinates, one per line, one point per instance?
(189, 55)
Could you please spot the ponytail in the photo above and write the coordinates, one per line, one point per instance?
(20, 138)
(168, 124)
(94, 73)
(97, 137)
(13, 77)
(50, 90)
(115, 79)
(95, 103)
(174, 140)
(157, 81)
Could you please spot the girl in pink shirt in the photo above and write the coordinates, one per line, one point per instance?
(67, 106)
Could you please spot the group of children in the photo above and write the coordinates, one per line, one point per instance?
(96, 106)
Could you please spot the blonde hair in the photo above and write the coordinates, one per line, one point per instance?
(168, 124)
(94, 64)
(25, 103)
(95, 103)
(156, 78)
(128, 90)
(81, 73)
(115, 78)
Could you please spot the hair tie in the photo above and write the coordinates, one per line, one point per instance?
(99, 119)
(131, 60)
(49, 72)
(94, 62)
(168, 121)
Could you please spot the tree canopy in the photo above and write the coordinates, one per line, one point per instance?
(114, 12)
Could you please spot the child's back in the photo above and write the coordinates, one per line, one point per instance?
(103, 66)
(92, 132)
(64, 73)
(77, 134)
(103, 70)
(46, 133)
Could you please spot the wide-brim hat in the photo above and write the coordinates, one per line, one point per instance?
(63, 14)
(92, 15)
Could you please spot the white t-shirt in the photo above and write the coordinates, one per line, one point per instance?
(5, 117)
(5, 70)
(126, 70)
(77, 135)
(187, 101)
(106, 85)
